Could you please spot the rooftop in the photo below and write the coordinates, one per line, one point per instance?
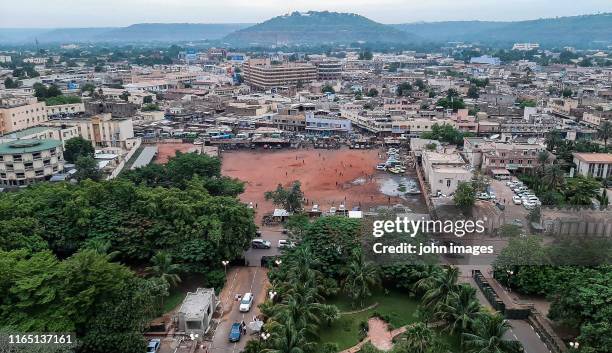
(594, 157)
(196, 303)
(28, 146)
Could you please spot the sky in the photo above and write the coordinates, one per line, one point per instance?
(112, 13)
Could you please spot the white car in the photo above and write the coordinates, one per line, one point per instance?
(246, 302)
(516, 200)
(529, 204)
(284, 243)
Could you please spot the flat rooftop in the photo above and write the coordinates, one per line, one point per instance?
(196, 303)
(145, 157)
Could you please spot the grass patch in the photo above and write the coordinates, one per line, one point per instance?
(398, 307)
(174, 299)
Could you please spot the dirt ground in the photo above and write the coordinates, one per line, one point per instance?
(167, 150)
(328, 177)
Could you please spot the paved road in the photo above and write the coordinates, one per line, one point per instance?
(521, 330)
(273, 234)
(240, 280)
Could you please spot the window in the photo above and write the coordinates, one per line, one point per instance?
(448, 183)
(17, 158)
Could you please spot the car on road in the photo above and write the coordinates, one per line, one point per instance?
(259, 243)
(516, 200)
(284, 243)
(381, 167)
(246, 302)
(153, 345)
(235, 332)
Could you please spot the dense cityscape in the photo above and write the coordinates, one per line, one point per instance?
(226, 188)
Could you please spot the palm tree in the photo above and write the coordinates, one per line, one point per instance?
(287, 339)
(164, 268)
(460, 311)
(542, 160)
(359, 278)
(605, 132)
(418, 338)
(440, 287)
(488, 336)
(554, 177)
(329, 313)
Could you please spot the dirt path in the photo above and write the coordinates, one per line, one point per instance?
(379, 334)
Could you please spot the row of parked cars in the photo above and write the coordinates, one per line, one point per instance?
(523, 196)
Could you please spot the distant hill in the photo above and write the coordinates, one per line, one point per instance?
(574, 30)
(142, 32)
(317, 28)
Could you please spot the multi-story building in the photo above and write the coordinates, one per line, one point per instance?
(525, 46)
(598, 165)
(18, 113)
(103, 130)
(23, 162)
(444, 171)
(492, 155)
(329, 70)
(43, 132)
(262, 74)
(327, 123)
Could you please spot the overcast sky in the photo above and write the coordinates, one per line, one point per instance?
(100, 13)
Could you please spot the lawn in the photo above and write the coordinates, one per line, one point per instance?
(174, 299)
(397, 306)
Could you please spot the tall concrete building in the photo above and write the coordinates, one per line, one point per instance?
(23, 162)
(18, 113)
(262, 74)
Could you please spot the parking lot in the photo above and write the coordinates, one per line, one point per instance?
(504, 196)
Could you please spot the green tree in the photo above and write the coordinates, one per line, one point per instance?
(291, 199)
(372, 92)
(328, 89)
(581, 190)
(488, 336)
(87, 168)
(77, 147)
(9, 83)
(359, 278)
(605, 132)
(465, 196)
(164, 268)
(554, 177)
(419, 338)
(404, 89)
(460, 311)
(473, 92)
(439, 288)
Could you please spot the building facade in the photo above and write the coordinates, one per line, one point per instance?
(24, 162)
(263, 75)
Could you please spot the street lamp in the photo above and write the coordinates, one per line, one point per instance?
(225, 263)
(278, 262)
(272, 294)
(510, 274)
(264, 336)
(574, 345)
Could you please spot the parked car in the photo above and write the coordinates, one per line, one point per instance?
(483, 196)
(500, 206)
(246, 302)
(153, 346)
(516, 200)
(284, 243)
(259, 243)
(381, 167)
(235, 334)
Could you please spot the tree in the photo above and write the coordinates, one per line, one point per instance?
(359, 278)
(566, 92)
(439, 287)
(290, 199)
(488, 336)
(373, 92)
(328, 89)
(87, 168)
(125, 95)
(329, 314)
(365, 55)
(419, 338)
(581, 190)
(164, 268)
(78, 147)
(605, 132)
(465, 196)
(473, 92)
(88, 87)
(404, 89)
(9, 83)
(460, 311)
(603, 199)
(554, 177)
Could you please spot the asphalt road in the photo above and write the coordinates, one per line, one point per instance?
(240, 280)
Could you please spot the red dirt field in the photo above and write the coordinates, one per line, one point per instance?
(167, 150)
(327, 176)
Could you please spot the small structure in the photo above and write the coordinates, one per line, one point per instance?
(196, 312)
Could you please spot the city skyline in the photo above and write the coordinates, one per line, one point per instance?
(71, 13)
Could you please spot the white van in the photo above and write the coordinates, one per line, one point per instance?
(246, 302)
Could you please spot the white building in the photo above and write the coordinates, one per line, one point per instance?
(597, 165)
(444, 171)
(525, 46)
(196, 312)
